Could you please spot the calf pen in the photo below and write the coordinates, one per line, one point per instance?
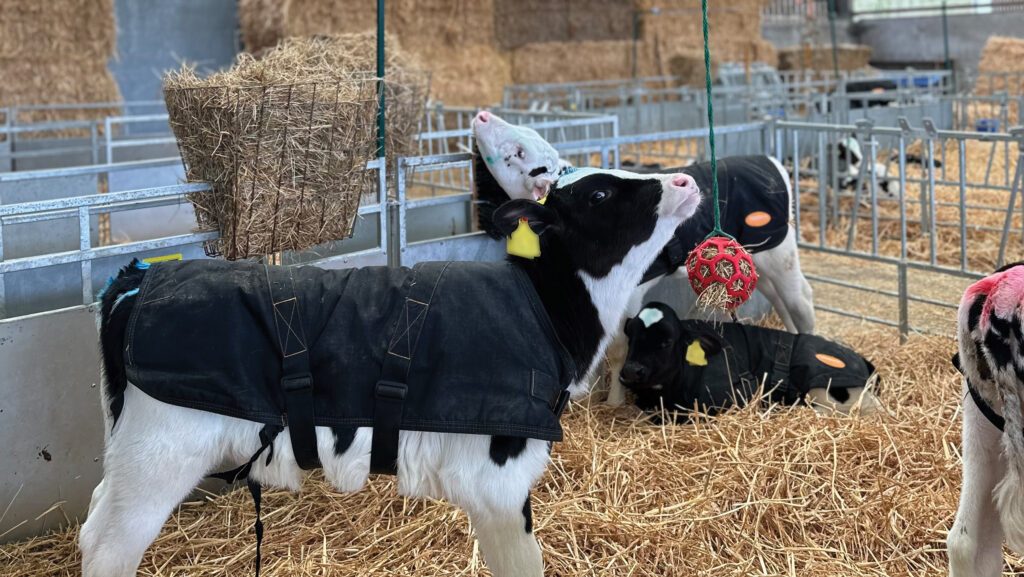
(793, 494)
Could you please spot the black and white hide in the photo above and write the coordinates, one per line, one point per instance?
(756, 199)
(684, 365)
(990, 337)
(598, 235)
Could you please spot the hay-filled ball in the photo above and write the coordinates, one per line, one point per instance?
(721, 272)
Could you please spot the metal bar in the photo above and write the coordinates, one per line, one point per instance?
(822, 195)
(902, 144)
(84, 244)
(1009, 211)
(100, 199)
(26, 175)
(74, 256)
(963, 201)
(904, 309)
(125, 143)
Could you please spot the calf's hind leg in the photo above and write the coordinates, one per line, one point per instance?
(507, 541)
(151, 464)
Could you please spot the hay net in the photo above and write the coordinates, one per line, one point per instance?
(284, 138)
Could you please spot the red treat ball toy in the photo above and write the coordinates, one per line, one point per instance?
(721, 273)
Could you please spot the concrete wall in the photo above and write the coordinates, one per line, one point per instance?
(153, 37)
(920, 39)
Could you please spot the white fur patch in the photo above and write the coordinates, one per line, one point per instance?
(650, 316)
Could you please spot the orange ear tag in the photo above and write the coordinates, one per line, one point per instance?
(524, 242)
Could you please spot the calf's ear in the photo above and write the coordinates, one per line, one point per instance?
(630, 327)
(539, 217)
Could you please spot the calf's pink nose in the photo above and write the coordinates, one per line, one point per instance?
(483, 116)
(683, 181)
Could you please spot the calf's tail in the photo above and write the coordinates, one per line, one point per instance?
(116, 303)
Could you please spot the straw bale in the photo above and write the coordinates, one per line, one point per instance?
(1002, 54)
(530, 21)
(56, 53)
(284, 138)
(575, 61)
(688, 66)
(470, 75)
(849, 56)
(57, 28)
(57, 81)
(776, 492)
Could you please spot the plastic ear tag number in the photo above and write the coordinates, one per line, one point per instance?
(695, 355)
(524, 242)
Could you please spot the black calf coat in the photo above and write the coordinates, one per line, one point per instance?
(470, 340)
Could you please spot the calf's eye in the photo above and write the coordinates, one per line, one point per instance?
(665, 344)
(521, 153)
(598, 196)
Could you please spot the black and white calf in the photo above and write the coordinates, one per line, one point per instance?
(598, 235)
(991, 357)
(682, 365)
(756, 199)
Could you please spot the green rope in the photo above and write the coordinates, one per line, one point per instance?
(717, 231)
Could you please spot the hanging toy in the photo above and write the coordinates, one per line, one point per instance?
(721, 271)
(524, 242)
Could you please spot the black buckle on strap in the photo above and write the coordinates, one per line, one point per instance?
(296, 383)
(561, 401)
(389, 402)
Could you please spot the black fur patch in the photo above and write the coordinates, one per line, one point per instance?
(489, 194)
(997, 342)
(343, 437)
(983, 371)
(538, 171)
(974, 313)
(528, 515)
(839, 395)
(504, 448)
(113, 324)
(1006, 267)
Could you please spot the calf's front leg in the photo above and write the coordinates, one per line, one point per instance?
(975, 542)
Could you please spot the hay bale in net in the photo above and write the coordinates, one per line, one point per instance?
(284, 140)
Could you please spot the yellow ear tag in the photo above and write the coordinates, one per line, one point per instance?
(524, 242)
(695, 355)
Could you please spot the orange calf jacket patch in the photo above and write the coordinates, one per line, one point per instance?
(758, 219)
(830, 361)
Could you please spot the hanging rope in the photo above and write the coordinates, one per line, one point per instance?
(720, 270)
(717, 231)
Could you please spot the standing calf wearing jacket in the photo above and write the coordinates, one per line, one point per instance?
(682, 365)
(598, 232)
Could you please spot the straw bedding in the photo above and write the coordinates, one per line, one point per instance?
(987, 209)
(765, 492)
(284, 139)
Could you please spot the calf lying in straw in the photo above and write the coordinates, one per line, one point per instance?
(598, 232)
(991, 358)
(679, 365)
